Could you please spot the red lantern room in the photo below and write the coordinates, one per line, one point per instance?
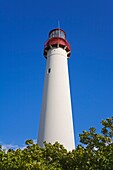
(57, 38)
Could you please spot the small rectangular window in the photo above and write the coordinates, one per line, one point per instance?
(49, 70)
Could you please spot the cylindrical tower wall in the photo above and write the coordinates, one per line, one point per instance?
(56, 113)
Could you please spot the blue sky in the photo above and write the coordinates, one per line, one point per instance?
(24, 27)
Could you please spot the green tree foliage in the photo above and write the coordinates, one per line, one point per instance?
(94, 153)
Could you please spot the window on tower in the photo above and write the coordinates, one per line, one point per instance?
(49, 70)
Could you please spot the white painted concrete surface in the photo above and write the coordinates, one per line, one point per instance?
(56, 114)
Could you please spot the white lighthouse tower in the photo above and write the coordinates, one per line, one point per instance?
(56, 122)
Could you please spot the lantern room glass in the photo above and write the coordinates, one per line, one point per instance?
(57, 33)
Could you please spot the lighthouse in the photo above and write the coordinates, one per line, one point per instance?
(56, 123)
